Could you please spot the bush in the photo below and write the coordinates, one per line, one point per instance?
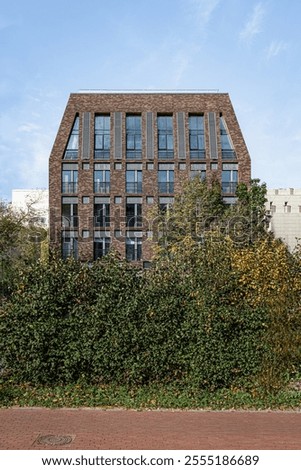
(112, 323)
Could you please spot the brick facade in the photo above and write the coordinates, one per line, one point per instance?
(177, 105)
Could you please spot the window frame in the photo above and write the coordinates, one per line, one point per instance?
(134, 135)
(165, 133)
(102, 137)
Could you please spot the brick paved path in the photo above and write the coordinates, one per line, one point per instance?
(24, 428)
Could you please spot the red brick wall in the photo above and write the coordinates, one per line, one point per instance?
(169, 103)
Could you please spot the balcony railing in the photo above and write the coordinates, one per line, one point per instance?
(102, 154)
(70, 253)
(69, 221)
(69, 187)
(166, 188)
(229, 188)
(133, 154)
(165, 154)
(228, 154)
(198, 154)
(101, 187)
(102, 221)
(134, 188)
(134, 221)
(132, 253)
(71, 155)
(101, 250)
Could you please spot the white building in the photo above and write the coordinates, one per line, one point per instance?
(37, 199)
(284, 206)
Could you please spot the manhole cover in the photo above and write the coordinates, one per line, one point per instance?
(54, 440)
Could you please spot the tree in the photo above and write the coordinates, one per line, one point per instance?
(200, 212)
(20, 242)
(247, 220)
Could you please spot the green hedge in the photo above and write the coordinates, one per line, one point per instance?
(113, 323)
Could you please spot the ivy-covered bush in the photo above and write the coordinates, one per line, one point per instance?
(221, 306)
(113, 323)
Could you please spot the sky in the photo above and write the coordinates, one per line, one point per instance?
(250, 49)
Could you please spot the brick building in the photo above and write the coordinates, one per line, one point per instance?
(116, 155)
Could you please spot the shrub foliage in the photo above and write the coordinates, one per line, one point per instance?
(207, 315)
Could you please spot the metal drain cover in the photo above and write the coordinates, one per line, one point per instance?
(54, 440)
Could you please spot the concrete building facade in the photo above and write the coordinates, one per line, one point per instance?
(32, 199)
(116, 155)
(284, 207)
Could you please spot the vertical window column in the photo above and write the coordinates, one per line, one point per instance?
(69, 244)
(71, 152)
(165, 203)
(70, 178)
(133, 246)
(133, 137)
(102, 244)
(102, 178)
(133, 178)
(102, 138)
(69, 212)
(166, 178)
(196, 137)
(101, 212)
(165, 137)
(226, 143)
(198, 170)
(134, 211)
(229, 178)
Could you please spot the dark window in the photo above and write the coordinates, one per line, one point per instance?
(101, 247)
(69, 245)
(198, 170)
(166, 181)
(226, 144)
(102, 215)
(229, 179)
(102, 137)
(133, 249)
(71, 152)
(165, 137)
(134, 215)
(133, 137)
(134, 181)
(196, 137)
(69, 215)
(102, 181)
(69, 181)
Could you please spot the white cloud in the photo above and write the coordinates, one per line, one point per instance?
(181, 62)
(275, 48)
(206, 9)
(254, 24)
(28, 127)
(202, 10)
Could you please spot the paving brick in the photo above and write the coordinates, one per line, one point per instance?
(93, 429)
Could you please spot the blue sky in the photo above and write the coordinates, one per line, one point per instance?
(49, 49)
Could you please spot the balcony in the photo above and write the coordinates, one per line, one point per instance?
(229, 187)
(69, 187)
(198, 154)
(69, 221)
(134, 188)
(133, 154)
(101, 187)
(228, 154)
(102, 154)
(101, 221)
(69, 253)
(165, 154)
(134, 221)
(166, 187)
(71, 155)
